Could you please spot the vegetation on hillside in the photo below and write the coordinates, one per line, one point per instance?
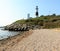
(49, 21)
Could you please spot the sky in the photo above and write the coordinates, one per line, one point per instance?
(12, 10)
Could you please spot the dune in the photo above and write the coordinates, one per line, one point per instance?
(33, 40)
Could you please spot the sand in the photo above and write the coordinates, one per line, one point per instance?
(33, 40)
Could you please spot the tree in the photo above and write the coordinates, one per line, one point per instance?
(54, 14)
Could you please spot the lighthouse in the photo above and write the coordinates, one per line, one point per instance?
(36, 11)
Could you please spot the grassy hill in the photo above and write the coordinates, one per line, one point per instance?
(50, 21)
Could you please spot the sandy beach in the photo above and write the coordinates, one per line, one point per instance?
(33, 40)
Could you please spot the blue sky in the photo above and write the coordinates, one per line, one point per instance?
(12, 10)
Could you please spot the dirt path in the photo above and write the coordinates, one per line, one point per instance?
(39, 40)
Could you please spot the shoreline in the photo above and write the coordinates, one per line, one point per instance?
(39, 39)
(14, 39)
